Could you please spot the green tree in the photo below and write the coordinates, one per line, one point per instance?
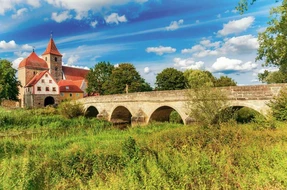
(170, 79)
(196, 78)
(272, 42)
(9, 84)
(97, 76)
(125, 78)
(224, 81)
(273, 77)
(244, 4)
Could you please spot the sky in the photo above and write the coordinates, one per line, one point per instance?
(150, 34)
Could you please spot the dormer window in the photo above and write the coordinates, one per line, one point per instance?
(67, 88)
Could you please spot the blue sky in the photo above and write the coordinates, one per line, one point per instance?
(150, 34)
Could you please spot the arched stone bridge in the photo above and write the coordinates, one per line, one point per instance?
(143, 107)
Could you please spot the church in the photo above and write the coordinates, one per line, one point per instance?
(45, 81)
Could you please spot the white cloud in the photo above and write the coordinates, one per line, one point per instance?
(27, 47)
(245, 44)
(6, 5)
(73, 59)
(147, 70)
(115, 18)
(236, 26)
(8, 45)
(16, 62)
(188, 63)
(34, 3)
(226, 65)
(160, 50)
(61, 16)
(22, 54)
(174, 25)
(197, 21)
(218, 16)
(94, 24)
(19, 13)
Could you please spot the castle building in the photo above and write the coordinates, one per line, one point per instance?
(45, 81)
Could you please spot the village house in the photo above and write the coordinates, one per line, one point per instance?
(45, 81)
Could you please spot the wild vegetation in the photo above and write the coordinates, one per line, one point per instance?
(41, 149)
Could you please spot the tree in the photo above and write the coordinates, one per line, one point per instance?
(273, 77)
(196, 78)
(224, 81)
(243, 5)
(272, 42)
(170, 79)
(97, 76)
(125, 78)
(9, 85)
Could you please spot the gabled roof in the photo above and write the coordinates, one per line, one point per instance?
(68, 86)
(72, 73)
(33, 61)
(78, 83)
(36, 78)
(52, 48)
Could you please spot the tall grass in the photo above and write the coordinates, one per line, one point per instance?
(59, 153)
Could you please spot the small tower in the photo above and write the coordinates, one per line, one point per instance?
(54, 60)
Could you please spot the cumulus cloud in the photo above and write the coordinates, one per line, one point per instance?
(73, 59)
(61, 16)
(174, 25)
(188, 63)
(94, 24)
(21, 54)
(115, 18)
(147, 70)
(236, 26)
(239, 45)
(19, 13)
(226, 65)
(7, 5)
(8, 45)
(16, 62)
(27, 47)
(160, 50)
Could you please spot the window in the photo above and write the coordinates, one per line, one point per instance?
(71, 95)
(54, 89)
(46, 58)
(62, 94)
(46, 75)
(38, 88)
(56, 68)
(47, 88)
(43, 81)
(50, 81)
(56, 59)
(34, 72)
(67, 88)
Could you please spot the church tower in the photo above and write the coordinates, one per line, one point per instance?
(54, 60)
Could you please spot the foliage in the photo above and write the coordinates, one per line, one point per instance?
(206, 104)
(246, 115)
(125, 78)
(272, 42)
(272, 77)
(175, 117)
(170, 79)
(197, 78)
(71, 109)
(279, 105)
(243, 5)
(224, 81)
(85, 155)
(9, 84)
(97, 76)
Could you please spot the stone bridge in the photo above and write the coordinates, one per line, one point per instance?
(143, 107)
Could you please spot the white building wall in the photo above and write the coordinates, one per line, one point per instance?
(46, 82)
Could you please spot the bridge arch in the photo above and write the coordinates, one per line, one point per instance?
(162, 114)
(121, 115)
(260, 109)
(91, 111)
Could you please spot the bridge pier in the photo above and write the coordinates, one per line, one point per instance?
(138, 120)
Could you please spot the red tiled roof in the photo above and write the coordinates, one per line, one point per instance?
(36, 78)
(51, 48)
(68, 86)
(78, 83)
(33, 61)
(72, 73)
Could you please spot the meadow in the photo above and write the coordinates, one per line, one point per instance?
(40, 149)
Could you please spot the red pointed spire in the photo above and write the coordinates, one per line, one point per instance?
(51, 48)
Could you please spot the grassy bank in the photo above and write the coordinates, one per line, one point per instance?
(41, 150)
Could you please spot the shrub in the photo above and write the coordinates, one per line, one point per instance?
(245, 115)
(279, 105)
(174, 117)
(71, 109)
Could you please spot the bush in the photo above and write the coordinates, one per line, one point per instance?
(245, 115)
(174, 117)
(279, 106)
(71, 109)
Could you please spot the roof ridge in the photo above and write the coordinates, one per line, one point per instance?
(52, 48)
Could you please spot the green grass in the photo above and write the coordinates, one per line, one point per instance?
(42, 150)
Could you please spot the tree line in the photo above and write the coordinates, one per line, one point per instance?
(104, 78)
